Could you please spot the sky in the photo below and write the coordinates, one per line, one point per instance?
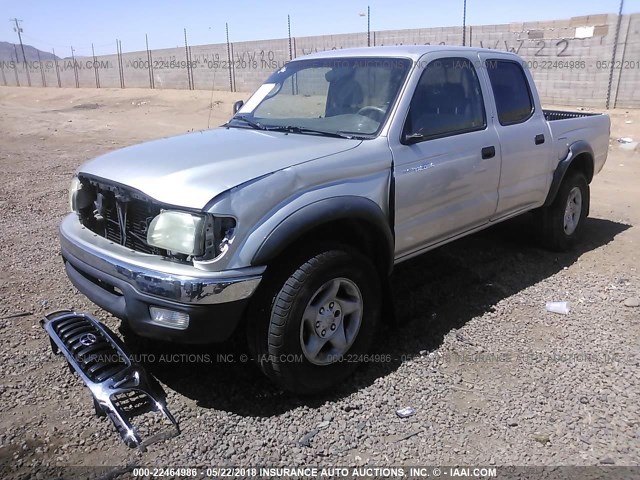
(62, 24)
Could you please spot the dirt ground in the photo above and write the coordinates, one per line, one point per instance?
(481, 295)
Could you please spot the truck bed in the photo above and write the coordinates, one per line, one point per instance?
(569, 127)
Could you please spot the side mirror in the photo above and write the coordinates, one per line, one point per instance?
(237, 106)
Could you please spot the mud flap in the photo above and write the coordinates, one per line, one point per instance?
(121, 388)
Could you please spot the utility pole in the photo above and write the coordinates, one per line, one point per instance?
(464, 24)
(368, 26)
(289, 29)
(24, 58)
(613, 54)
(186, 53)
(75, 67)
(226, 26)
(15, 70)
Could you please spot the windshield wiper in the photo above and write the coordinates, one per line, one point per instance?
(295, 129)
(248, 121)
(354, 135)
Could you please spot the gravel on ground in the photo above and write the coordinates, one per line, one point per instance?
(494, 378)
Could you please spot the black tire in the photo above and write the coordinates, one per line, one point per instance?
(555, 234)
(274, 323)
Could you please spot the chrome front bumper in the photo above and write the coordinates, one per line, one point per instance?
(151, 275)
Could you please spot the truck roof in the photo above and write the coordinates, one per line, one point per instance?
(413, 52)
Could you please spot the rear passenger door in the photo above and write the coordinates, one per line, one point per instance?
(446, 155)
(523, 132)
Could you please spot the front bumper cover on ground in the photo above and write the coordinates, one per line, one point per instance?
(120, 387)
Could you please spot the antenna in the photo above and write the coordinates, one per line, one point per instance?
(213, 84)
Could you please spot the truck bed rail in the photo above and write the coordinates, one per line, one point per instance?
(551, 115)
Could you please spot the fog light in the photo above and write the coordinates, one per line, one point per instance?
(169, 318)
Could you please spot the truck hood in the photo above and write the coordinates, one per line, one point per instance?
(190, 170)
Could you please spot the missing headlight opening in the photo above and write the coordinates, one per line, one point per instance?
(118, 214)
(131, 219)
(224, 231)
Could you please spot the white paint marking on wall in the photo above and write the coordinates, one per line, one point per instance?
(584, 32)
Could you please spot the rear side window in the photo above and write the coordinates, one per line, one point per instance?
(447, 100)
(511, 91)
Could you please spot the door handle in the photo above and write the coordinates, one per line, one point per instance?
(539, 139)
(488, 152)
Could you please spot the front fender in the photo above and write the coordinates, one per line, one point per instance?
(311, 216)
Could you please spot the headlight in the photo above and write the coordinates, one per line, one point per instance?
(179, 232)
(79, 198)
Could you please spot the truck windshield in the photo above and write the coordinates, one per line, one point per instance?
(347, 97)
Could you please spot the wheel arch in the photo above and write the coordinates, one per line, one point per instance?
(579, 158)
(355, 221)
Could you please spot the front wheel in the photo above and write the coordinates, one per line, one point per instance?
(563, 221)
(318, 318)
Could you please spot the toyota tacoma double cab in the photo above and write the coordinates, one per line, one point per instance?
(287, 220)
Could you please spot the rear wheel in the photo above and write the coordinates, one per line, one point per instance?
(563, 221)
(316, 318)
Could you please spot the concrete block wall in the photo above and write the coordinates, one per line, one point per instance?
(211, 67)
(567, 70)
(626, 80)
(569, 59)
(254, 61)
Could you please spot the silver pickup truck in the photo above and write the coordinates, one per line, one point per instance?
(287, 221)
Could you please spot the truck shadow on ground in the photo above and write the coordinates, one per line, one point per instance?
(434, 294)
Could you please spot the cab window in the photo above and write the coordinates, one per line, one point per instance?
(514, 102)
(447, 101)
